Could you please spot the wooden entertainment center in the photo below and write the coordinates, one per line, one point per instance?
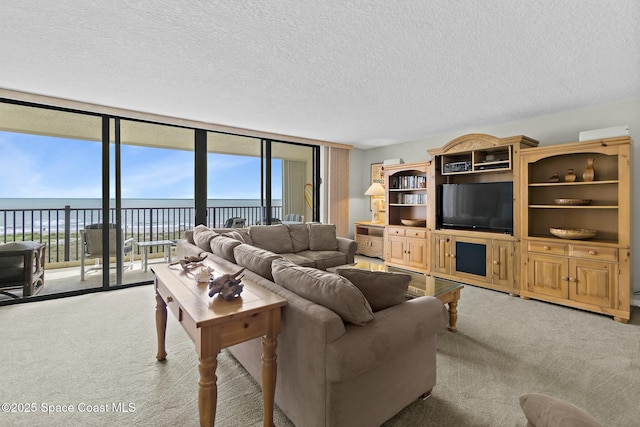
(516, 252)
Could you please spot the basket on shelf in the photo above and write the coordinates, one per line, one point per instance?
(413, 222)
(573, 233)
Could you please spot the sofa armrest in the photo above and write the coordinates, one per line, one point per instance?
(394, 331)
(349, 247)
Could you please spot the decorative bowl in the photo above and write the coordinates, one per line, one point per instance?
(573, 233)
(414, 222)
(572, 202)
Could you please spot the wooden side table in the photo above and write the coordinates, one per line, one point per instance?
(370, 238)
(213, 324)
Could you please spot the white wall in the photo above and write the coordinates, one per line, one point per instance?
(549, 129)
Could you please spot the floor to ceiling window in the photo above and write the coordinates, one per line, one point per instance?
(107, 197)
(50, 190)
(152, 190)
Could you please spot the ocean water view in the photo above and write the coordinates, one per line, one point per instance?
(45, 215)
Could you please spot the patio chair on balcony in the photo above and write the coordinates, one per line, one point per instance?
(21, 268)
(235, 222)
(92, 238)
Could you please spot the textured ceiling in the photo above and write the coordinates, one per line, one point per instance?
(367, 73)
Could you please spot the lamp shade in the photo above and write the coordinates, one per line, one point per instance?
(376, 189)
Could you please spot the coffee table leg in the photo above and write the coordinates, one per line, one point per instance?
(161, 326)
(208, 391)
(453, 315)
(269, 372)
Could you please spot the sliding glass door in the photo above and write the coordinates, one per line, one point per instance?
(151, 193)
(50, 191)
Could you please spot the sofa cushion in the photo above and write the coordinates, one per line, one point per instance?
(541, 410)
(322, 237)
(382, 289)
(235, 235)
(325, 259)
(15, 261)
(298, 259)
(274, 238)
(299, 236)
(202, 236)
(223, 247)
(327, 289)
(255, 259)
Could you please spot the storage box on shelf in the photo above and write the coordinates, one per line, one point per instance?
(588, 270)
(408, 216)
(482, 257)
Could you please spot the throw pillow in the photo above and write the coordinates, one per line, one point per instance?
(299, 237)
(327, 289)
(382, 289)
(223, 247)
(322, 237)
(255, 259)
(274, 238)
(202, 236)
(541, 410)
(244, 232)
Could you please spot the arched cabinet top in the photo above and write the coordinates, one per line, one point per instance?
(480, 141)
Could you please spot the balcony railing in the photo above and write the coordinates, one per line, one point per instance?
(60, 229)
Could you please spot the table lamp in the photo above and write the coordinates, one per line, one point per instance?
(376, 190)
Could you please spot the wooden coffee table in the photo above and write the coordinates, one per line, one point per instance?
(445, 290)
(214, 323)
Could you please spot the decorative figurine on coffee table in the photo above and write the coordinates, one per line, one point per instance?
(204, 275)
(190, 262)
(228, 285)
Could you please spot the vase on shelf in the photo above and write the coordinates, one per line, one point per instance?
(570, 176)
(589, 173)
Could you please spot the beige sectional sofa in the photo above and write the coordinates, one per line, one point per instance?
(342, 361)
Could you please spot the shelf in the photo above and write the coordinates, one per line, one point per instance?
(408, 189)
(406, 204)
(551, 238)
(558, 184)
(573, 207)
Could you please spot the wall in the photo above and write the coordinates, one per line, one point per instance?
(548, 129)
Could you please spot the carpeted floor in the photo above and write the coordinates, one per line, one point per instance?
(96, 355)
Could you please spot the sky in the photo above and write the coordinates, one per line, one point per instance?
(35, 166)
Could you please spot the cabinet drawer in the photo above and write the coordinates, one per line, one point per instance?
(548, 248)
(594, 252)
(396, 231)
(370, 246)
(416, 233)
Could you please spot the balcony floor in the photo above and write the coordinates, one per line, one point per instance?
(58, 280)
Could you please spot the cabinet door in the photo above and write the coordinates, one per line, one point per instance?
(396, 249)
(502, 262)
(592, 282)
(548, 275)
(471, 258)
(417, 252)
(441, 262)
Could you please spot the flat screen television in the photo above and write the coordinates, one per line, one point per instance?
(484, 206)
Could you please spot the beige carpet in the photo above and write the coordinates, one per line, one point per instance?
(98, 351)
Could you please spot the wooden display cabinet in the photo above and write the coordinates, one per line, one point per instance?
(594, 273)
(407, 246)
(482, 258)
